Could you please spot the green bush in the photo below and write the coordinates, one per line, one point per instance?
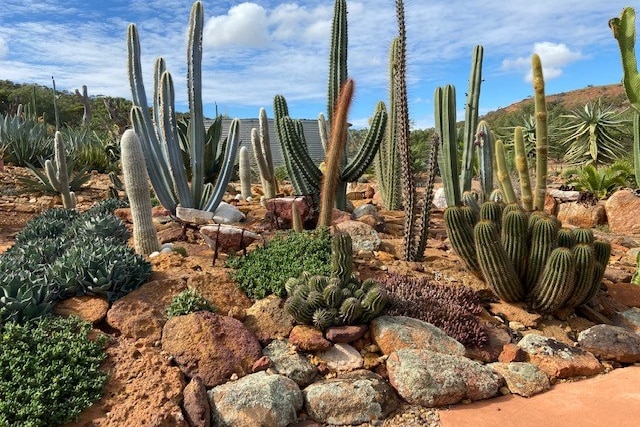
(265, 270)
(188, 301)
(49, 372)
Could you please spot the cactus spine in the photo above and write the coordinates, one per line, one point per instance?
(335, 154)
(471, 118)
(523, 169)
(57, 173)
(542, 142)
(159, 138)
(145, 237)
(262, 153)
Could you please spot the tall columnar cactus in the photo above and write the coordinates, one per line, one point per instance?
(342, 257)
(305, 176)
(335, 154)
(503, 173)
(145, 236)
(542, 140)
(158, 136)
(260, 142)
(471, 118)
(523, 169)
(445, 118)
(624, 30)
(485, 142)
(57, 173)
(244, 170)
(387, 166)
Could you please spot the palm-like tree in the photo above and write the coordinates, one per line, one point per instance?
(589, 133)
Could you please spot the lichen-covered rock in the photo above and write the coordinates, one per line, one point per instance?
(353, 398)
(392, 333)
(629, 319)
(558, 359)
(611, 343)
(268, 319)
(522, 378)
(342, 357)
(141, 313)
(210, 346)
(429, 378)
(363, 236)
(257, 400)
(196, 405)
(290, 363)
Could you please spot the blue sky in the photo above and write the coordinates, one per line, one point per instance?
(255, 50)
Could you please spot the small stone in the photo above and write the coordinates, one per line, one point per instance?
(342, 357)
(345, 334)
(261, 364)
(307, 338)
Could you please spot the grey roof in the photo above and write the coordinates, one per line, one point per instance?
(311, 134)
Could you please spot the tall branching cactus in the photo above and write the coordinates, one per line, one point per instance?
(387, 166)
(624, 30)
(145, 236)
(471, 118)
(158, 136)
(445, 120)
(305, 176)
(262, 152)
(57, 173)
(542, 139)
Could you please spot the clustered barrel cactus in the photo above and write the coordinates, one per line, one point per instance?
(528, 256)
(338, 299)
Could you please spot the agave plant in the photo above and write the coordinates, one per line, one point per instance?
(589, 134)
(40, 182)
(24, 139)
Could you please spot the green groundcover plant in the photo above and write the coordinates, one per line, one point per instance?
(265, 270)
(49, 371)
(187, 302)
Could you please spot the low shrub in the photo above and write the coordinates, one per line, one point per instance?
(49, 371)
(265, 270)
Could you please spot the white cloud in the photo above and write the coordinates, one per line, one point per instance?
(4, 49)
(553, 56)
(245, 25)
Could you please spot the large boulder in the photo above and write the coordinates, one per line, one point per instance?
(429, 378)
(257, 400)
(363, 236)
(582, 215)
(611, 343)
(622, 212)
(210, 346)
(353, 398)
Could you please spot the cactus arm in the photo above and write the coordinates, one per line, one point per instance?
(523, 169)
(323, 129)
(556, 283)
(445, 121)
(471, 118)
(170, 142)
(335, 154)
(367, 152)
(233, 141)
(337, 56)
(503, 174)
(485, 142)
(245, 172)
(422, 222)
(542, 141)
(135, 177)
(194, 86)
(636, 146)
(262, 153)
(308, 175)
(625, 33)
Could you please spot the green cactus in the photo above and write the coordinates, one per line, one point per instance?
(543, 240)
(445, 117)
(485, 142)
(244, 171)
(323, 318)
(471, 118)
(495, 265)
(515, 240)
(585, 257)
(57, 173)
(262, 152)
(635, 279)
(542, 141)
(145, 237)
(583, 235)
(159, 138)
(503, 174)
(556, 283)
(566, 238)
(341, 257)
(460, 232)
(492, 211)
(523, 169)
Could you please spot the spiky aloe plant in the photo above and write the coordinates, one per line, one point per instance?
(158, 136)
